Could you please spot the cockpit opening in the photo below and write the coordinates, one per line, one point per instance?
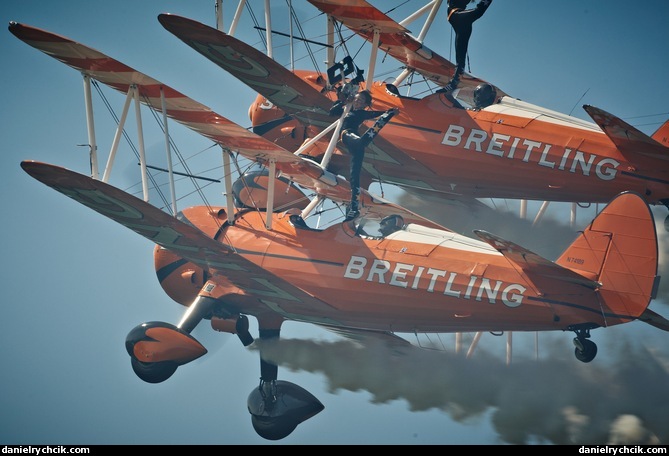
(373, 228)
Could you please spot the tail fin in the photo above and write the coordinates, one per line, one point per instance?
(619, 250)
(662, 134)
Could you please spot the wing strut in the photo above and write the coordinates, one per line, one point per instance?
(117, 137)
(133, 93)
(92, 144)
(311, 206)
(434, 6)
(335, 137)
(326, 156)
(372, 58)
(168, 151)
(229, 200)
(140, 139)
(270, 193)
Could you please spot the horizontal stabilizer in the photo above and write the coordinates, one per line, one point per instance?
(627, 139)
(364, 336)
(654, 319)
(541, 271)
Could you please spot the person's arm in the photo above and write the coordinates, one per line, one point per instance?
(370, 114)
(337, 109)
(375, 114)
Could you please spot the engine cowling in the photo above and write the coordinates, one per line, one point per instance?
(180, 279)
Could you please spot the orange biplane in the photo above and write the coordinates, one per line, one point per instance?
(390, 271)
(474, 142)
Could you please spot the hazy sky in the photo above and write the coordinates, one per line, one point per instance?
(78, 283)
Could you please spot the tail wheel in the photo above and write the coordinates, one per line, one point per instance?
(153, 372)
(585, 350)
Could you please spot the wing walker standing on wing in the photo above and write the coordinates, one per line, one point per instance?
(352, 119)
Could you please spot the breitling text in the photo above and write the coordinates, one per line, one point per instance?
(573, 161)
(432, 280)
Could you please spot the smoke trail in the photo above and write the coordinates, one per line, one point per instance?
(551, 400)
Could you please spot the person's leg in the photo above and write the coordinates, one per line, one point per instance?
(356, 148)
(357, 157)
(374, 130)
(462, 25)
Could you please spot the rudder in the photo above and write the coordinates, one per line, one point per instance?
(661, 135)
(619, 250)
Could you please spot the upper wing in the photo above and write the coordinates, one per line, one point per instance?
(260, 72)
(179, 107)
(363, 18)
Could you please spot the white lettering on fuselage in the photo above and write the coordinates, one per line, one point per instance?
(573, 161)
(434, 280)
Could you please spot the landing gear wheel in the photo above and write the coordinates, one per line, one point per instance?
(587, 353)
(273, 429)
(153, 372)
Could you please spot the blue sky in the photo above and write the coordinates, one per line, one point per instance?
(77, 283)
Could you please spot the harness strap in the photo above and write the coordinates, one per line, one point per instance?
(451, 13)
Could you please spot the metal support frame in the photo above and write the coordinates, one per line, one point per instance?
(90, 123)
(219, 15)
(117, 136)
(268, 27)
(330, 40)
(168, 151)
(140, 139)
(235, 19)
(335, 137)
(270, 193)
(433, 6)
(372, 59)
(133, 93)
(311, 206)
(230, 203)
(473, 345)
(326, 156)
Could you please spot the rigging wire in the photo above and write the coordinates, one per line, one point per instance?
(300, 30)
(157, 187)
(578, 101)
(127, 138)
(175, 148)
